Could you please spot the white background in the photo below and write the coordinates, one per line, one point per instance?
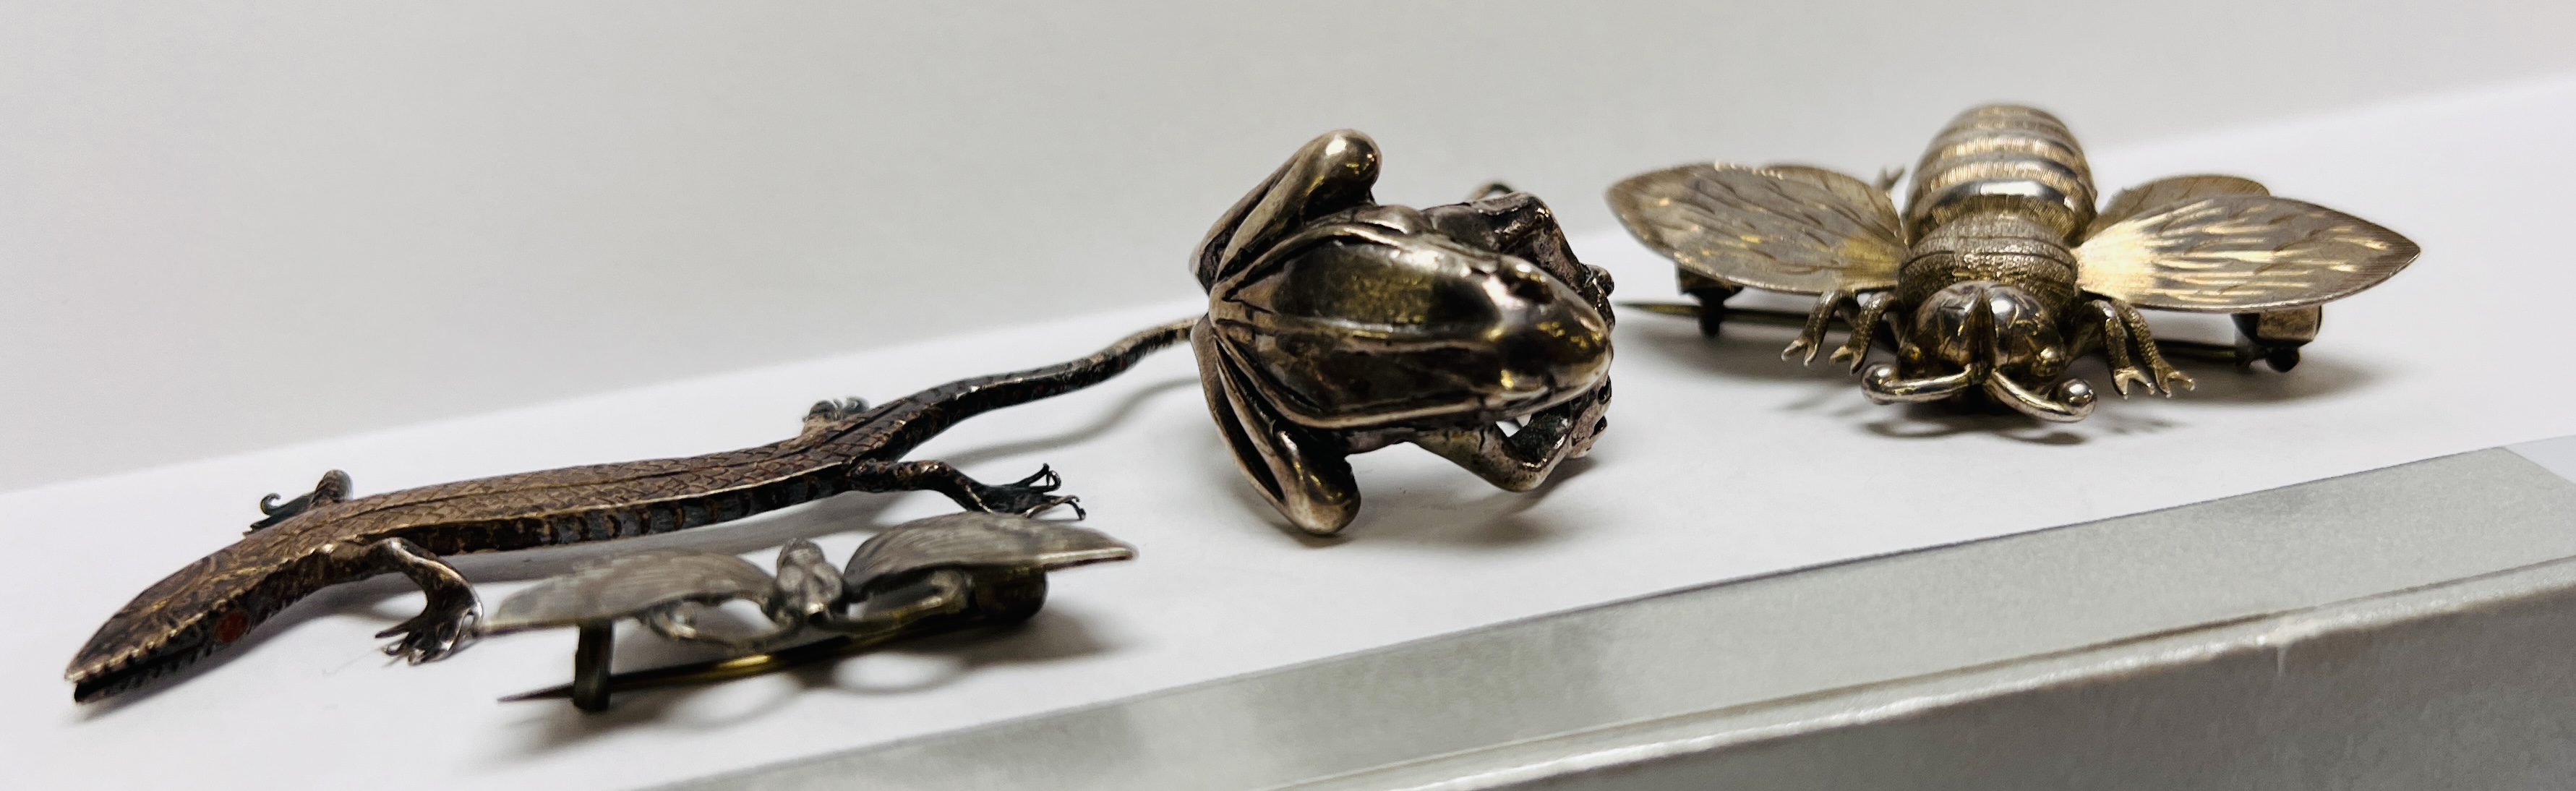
(1721, 462)
(239, 225)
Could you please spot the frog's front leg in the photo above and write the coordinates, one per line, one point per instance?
(446, 621)
(1519, 461)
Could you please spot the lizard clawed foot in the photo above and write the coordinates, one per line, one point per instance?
(1029, 496)
(437, 632)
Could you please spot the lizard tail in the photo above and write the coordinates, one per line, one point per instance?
(966, 398)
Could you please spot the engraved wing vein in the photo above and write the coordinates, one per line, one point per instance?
(2236, 253)
(1794, 229)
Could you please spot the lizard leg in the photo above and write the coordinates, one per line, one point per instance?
(2143, 340)
(1813, 337)
(1027, 497)
(1873, 306)
(1522, 460)
(446, 622)
(334, 487)
(825, 412)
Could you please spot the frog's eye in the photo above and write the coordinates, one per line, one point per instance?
(1364, 281)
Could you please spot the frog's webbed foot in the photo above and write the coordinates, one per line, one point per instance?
(446, 622)
(1028, 496)
(1812, 338)
(334, 487)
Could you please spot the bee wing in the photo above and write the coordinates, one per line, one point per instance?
(1786, 228)
(2164, 192)
(2238, 254)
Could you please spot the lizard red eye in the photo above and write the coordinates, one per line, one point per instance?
(231, 627)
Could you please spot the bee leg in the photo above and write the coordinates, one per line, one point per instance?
(1873, 307)
(2128, 328)
(2116, 345)
(1519, 461)
(1812, 338)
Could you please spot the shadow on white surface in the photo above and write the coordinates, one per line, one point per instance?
(910, 668)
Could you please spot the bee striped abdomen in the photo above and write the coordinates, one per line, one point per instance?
(2002, 158)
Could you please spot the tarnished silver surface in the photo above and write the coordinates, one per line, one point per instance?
(325, 538)
(1337, 325)
(921, 577)
(2000, 271)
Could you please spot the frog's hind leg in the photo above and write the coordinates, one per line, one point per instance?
(1305, 475)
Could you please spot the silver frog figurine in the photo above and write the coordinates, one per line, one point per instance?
(1337, 325)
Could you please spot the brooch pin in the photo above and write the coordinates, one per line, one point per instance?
(2000, 271)
(1338, 325)
(923, 577)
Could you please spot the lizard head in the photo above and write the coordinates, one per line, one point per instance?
(198, 610)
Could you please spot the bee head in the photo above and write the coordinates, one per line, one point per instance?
(1991, 335)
